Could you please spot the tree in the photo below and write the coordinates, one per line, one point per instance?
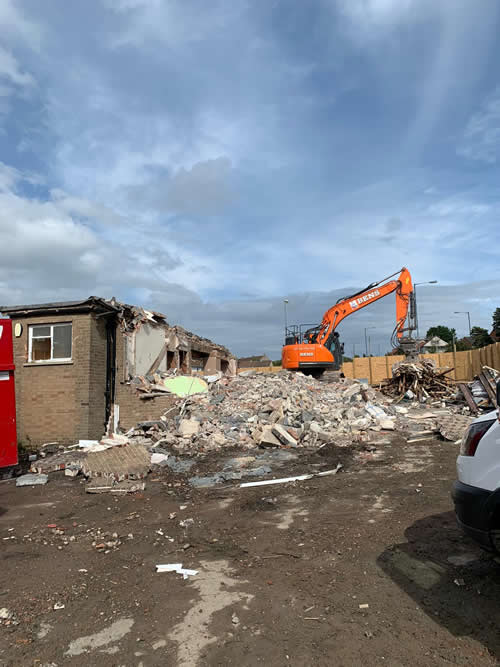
(480, 337)
(462, 344)
(496, 322)
(445, 333)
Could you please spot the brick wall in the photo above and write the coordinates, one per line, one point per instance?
(133, 409)
(61, 402)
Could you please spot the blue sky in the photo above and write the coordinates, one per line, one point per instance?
(209, 159)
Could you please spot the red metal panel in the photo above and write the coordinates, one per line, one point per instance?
(6, 346)
(8, 438)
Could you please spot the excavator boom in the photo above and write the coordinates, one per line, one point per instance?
(312, 350)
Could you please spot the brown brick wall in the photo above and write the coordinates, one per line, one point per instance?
(132, 408)
(97, 377)
(61, 402)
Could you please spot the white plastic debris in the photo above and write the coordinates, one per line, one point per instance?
(176, 567)
(375, 412)
(158, 459)
(297, 478)
(58, 605)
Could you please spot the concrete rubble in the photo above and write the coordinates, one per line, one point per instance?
(269, 417)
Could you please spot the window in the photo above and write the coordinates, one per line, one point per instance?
(50, 342)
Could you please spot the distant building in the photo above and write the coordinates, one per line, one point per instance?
(258, 361)
(434, 345)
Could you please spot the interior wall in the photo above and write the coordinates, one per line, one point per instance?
(149, 341)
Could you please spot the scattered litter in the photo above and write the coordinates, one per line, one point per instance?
(58, 605)
(32, 480)
(158, 459)
(176, 567)
(364, 606)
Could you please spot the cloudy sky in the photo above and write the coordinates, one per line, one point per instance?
(210, 158)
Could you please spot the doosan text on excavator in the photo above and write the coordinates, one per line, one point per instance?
(313, 350)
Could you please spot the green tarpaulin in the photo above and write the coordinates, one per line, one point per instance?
(185, 385)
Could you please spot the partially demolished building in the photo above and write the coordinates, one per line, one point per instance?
(76, 363)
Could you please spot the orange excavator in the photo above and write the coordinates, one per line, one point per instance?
(318, 348)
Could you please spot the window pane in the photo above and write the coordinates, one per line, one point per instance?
(62, 342)
(40, 349)
(40, 331)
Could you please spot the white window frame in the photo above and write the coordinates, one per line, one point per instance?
(52, 360)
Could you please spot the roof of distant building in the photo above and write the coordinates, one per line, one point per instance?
(254, 361)
(435, 341)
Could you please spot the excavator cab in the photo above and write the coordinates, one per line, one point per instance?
(301, 352)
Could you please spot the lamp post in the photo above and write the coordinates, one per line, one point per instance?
(366, 339)
(464, 312)
(285, 301)
(427, 282)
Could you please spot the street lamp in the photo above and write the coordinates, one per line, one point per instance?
(464, 312)
(366, 339)
(285, 301)
(427, 282)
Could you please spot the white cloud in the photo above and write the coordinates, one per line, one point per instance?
(481, 138)
(381, 14)
(11, 70)
(172, 23)
(16, 25)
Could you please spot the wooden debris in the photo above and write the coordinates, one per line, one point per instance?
(421, 378)
(469, 399)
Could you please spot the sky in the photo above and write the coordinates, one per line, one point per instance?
(211, 159)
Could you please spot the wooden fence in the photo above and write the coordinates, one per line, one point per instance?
(466, 364)
(375, 369)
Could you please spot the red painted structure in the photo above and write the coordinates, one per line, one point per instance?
(8, 437)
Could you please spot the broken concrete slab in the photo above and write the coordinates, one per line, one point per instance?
(32, 480)
(283, 436)
(452, 427)
(189, 428)
(58, 461)
(119, 463)
(267, 438)
(107, 485)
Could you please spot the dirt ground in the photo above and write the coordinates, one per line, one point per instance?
(364, 567)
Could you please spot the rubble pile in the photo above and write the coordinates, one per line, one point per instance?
(273, 414)
(275, 410)
(421, 380)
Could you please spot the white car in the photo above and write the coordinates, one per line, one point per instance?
(476, 493)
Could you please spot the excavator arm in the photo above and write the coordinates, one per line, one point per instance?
(345, 307)
(312, 353)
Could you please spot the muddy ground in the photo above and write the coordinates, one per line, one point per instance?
(364, 567)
